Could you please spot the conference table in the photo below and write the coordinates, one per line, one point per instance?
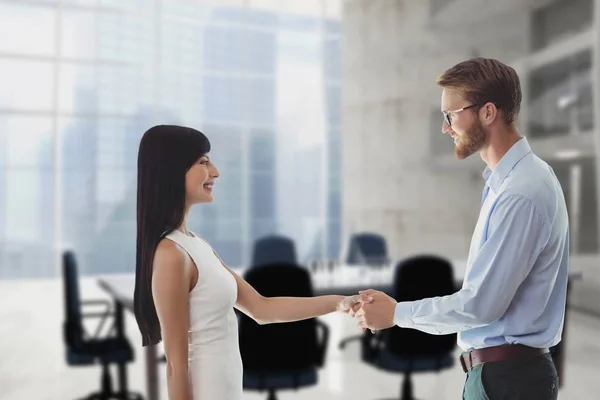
(327, 278)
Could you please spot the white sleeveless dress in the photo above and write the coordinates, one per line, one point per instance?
(215, 364)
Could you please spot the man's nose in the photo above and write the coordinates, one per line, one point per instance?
(446, 128)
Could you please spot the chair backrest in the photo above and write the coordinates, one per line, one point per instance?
(367, 248)
(274, 249)
(280, 346)
(417, 278)
(73, 328)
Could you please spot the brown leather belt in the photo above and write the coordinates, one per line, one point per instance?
(498, 353)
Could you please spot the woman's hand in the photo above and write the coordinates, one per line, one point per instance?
(351, 304)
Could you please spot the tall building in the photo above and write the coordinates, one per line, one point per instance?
(239, 48)
(219, 76)
(215, 68)
(332, 63)
(308, 131)
(45, 209)
(3, 187)
(79, 170)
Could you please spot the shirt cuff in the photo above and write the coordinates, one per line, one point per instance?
(403, 314)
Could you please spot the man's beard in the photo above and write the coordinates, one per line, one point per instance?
(472, 141)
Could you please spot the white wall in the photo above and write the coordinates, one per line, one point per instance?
(392, 57)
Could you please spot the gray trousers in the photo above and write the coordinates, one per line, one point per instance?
(533, 378)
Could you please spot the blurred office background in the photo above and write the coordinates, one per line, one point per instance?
(325, 123)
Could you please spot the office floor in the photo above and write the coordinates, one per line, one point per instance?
(32, 364)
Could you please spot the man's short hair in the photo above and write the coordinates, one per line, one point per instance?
(481, 80)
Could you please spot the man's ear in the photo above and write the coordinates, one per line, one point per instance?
(489, 113)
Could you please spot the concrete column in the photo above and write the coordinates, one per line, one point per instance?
(596, 97)
(390, 182)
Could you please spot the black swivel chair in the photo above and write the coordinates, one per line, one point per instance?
(409, 350)
(367, 249)
(83, 349)
(282, 355)
(274, 249)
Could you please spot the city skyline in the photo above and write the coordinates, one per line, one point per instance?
(261, 57)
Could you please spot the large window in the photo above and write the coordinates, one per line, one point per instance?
(578, 180)
(560, 97)
(81, 82)
(560, 19)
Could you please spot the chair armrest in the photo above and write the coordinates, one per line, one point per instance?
(97, 314)
(347, 340)
(103, 315)
(95, 302)
(323, 342)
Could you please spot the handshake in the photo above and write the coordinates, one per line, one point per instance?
(373, 310)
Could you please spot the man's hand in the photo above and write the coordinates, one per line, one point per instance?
(378, 314)
(350, 304)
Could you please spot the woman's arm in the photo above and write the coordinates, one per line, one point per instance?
(269, 310)
(172, 276)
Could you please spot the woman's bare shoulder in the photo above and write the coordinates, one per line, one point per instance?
(171, 256)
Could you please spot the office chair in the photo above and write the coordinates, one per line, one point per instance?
(409, 350)
(83, 349)
(283, 355)
(367, 249)
(273, 249)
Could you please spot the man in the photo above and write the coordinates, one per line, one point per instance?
(511, 306)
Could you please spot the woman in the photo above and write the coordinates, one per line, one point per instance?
(184, 293)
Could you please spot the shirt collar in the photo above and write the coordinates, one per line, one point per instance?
(495, 178)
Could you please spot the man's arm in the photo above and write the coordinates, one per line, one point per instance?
(518, 234)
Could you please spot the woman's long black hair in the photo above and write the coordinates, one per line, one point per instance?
(166, 153)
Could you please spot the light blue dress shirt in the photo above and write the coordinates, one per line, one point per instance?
(515, 284)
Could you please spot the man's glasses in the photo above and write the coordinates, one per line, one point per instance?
(447, 113)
